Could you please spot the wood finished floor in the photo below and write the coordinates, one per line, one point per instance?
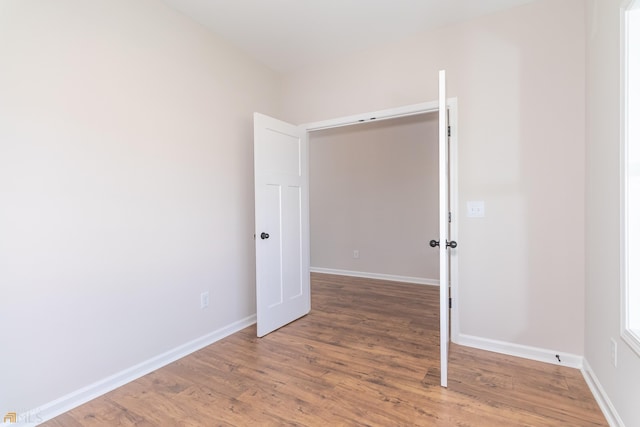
(367, 354)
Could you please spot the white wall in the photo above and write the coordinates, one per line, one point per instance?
(622, 383)
(374, 188)
(519, 80)
(126, 189)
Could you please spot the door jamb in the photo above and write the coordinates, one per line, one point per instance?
(412, 110)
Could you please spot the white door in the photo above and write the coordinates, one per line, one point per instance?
(282, 223)
(443, 150)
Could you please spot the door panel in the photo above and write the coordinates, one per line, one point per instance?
(269, 260)
(291, 250)
(282, 223)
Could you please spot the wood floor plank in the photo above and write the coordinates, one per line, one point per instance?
(367, 354)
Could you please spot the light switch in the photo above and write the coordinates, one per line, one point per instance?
(475, 209)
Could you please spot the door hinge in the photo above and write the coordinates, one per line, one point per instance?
(448, 130)
(449, 217)
(450, 302)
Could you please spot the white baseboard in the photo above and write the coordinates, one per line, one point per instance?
(72, 400)
(391, 277)
(518, 350)
(607, 408)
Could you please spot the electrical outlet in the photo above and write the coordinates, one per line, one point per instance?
(204, 300)
(614, 352)
(356, 254)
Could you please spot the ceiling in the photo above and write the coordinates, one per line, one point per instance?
(290, 34)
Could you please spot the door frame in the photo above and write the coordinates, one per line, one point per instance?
(412, 110)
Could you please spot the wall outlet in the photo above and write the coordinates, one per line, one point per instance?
(356, 254)
(204, 300)
(614, 352)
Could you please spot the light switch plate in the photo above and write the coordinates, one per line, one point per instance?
(475, 209)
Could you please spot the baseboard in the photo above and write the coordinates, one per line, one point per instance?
(391, 277)
(518, 350)
(607, 408)
(85, 394)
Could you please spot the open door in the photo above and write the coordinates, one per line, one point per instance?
(443, 150)
(282, 223)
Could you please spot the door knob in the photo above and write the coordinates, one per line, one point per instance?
(450, 244)
(264, 236)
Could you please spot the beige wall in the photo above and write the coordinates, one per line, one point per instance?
(126, 180)
(126, 189)
(519, 79)
(374, 188)
(621, 383)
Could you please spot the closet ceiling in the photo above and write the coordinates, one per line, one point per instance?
(290, 34)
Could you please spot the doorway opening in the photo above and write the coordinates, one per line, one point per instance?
(373, 192)
(412, 116)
